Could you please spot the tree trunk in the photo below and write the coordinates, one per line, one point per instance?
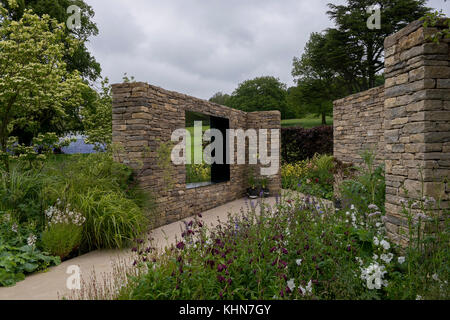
(324, 118)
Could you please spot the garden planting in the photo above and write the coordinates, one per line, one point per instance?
(63, 207)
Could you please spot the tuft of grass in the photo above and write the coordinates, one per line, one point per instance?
(306, 123)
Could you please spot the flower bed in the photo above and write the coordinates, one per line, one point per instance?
(295, 250)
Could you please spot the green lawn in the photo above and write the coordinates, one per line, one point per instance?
(306, 123)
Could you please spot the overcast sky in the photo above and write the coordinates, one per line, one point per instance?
(200, 47)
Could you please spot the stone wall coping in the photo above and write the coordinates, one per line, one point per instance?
(359, 94)
(131, 85)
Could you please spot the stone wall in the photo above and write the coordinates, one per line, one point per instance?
(144, 118)
(415, 123)
(359, 125)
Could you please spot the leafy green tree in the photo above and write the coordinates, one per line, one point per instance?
(97, 117)
(221, 98)
(79, 59)
(34, 81)
(317, 83)
(260, 94)
(353, 33)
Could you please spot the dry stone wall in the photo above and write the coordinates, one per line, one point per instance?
(144, 118)
(415, 123)
(359, 125)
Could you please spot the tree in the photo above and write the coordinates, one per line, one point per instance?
(317, 83)
(220, 98)
(353, 34)
(260, 94)
(34, 80)
(97, 117)
(79, 59)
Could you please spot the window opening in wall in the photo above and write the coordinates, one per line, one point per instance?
(199, 173)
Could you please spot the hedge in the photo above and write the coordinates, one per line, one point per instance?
(299, 144)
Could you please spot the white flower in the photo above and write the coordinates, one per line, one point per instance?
(291, 284)
(387, 257)
(401, 260)
(419, 297)
(299, 262)
(373, 207)
(376, 241)
(307, 290)
(31, 241)
(385, 245)
(352, 207)
(15, 228)
(309, 287)
(373, 275)
(435, 277)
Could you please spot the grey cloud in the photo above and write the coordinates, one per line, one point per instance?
(199, 47)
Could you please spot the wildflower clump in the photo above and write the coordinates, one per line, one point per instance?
(64, 230)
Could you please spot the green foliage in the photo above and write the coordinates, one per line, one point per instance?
(311, 177)
(97, 117)
(112, 220)
(20, 194)
(35, 84)
(349, 57)
(31, 156)
(17, 257)
(220, 98)
(198, 173)
(16, 262)
(358, 50)
(433, 19)
(80, 59)
(103, 191)
(260, 94)
(61, 239)
(368, 187)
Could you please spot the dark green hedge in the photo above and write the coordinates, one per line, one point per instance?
(299, 144)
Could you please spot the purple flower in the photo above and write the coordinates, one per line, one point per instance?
(273, 249)
(221, 278)
(221, 267)
(134, 249)
(285, 251)
(181, 245)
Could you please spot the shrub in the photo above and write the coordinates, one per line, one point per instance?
(112, 220)
(19, 253)
(367, 187)
(298, 144)
(104, 192)
(61, 239)
(313, 177)
(20, 194)
(64, 232)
